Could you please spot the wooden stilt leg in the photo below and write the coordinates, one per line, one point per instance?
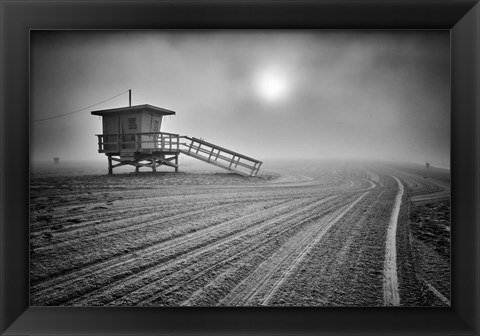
(154, 165)
(110, 169)
(176, 163)
(137, 169)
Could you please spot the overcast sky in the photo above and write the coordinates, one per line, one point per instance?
(266, 94)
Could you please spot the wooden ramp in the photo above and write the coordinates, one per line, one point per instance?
(220, 157)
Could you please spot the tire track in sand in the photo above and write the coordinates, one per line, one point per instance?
(436, 292)
(391, 295)
(269, 276)
(307, 250)
(260, 230)
(46, 290)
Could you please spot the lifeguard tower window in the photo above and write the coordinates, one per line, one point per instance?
(132, 123)
(156, 126)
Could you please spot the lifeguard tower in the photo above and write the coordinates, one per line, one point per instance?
(131, 136)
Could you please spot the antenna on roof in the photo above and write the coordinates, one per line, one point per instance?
(129, 97)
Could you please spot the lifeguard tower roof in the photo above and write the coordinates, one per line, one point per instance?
(136, 108)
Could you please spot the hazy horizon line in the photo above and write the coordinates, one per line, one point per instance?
(265, 161)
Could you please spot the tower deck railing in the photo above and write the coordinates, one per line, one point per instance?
(145, 142)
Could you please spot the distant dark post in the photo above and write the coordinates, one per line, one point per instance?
(427, 165)
(56, 160)
(129, 97)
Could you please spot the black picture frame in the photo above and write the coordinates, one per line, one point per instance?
(17, 17)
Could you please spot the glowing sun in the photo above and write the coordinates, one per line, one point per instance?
(272, 85)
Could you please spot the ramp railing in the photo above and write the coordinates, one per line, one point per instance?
(220, 157)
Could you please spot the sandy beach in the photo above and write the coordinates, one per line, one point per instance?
(296, 235)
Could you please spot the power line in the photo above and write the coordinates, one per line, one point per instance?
(72, 112)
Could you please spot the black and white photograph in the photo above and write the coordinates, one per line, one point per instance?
(240, 168)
